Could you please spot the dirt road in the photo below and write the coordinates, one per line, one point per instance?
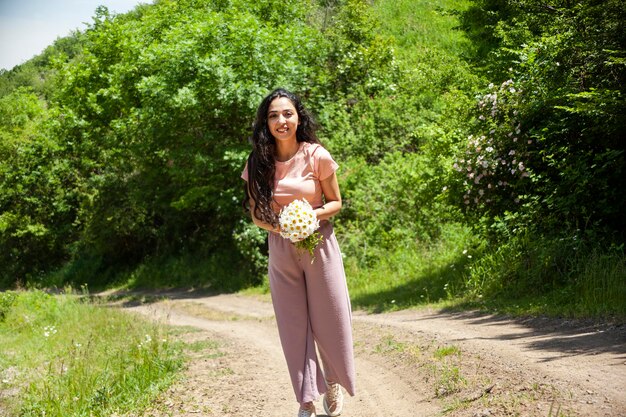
(409, 363)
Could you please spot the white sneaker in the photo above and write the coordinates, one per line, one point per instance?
(307, 411)
(333, 400)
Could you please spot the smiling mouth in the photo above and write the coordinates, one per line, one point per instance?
(282, 130)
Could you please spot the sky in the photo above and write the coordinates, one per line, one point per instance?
(27, 27)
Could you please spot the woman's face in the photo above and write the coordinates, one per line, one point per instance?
(282, 119)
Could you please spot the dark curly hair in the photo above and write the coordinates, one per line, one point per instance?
(261, 162)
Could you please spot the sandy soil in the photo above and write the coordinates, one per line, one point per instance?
(409, 363)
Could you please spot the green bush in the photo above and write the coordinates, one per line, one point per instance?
(566, 65)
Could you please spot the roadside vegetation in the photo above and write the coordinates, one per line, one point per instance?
(61, 355)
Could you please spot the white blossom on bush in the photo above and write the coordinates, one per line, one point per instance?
(492, 163)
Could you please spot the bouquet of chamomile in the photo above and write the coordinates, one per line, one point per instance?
(299, 223)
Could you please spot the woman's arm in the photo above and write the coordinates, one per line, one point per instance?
(330, 189)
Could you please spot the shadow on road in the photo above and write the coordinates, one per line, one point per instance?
(568, 336)
(134, 298)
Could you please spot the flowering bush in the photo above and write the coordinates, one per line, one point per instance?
(493, 165)
(299, 223)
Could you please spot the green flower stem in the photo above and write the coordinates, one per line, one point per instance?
(310, 243)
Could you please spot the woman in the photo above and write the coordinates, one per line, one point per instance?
(310, 300)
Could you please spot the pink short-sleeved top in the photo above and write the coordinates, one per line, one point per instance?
(300, 176)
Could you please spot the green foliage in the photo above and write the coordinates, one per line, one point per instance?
(93, 360)
(543, 169)
(381, 202)
(39, 73)
(150, 118)
(492, 167)
(36, 196)
(559, 275)
(413, 274)
(567, 64)
(251, 242)
(358, 52)
(396, 147)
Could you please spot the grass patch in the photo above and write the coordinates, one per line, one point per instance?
(555, 276)
(448, 379)
(261, 291)
(442, 352)
(526, 276)
(417, 24)
(61, 356)
(388, 343)
(447, 371)
(201, 345)
(414, 275)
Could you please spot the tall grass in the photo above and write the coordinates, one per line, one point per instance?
(419, 26)
(63, 357)
(562, 276)
(528, 275)
(415, 273)
(600, 287)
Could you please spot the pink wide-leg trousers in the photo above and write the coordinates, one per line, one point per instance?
(312, 307)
